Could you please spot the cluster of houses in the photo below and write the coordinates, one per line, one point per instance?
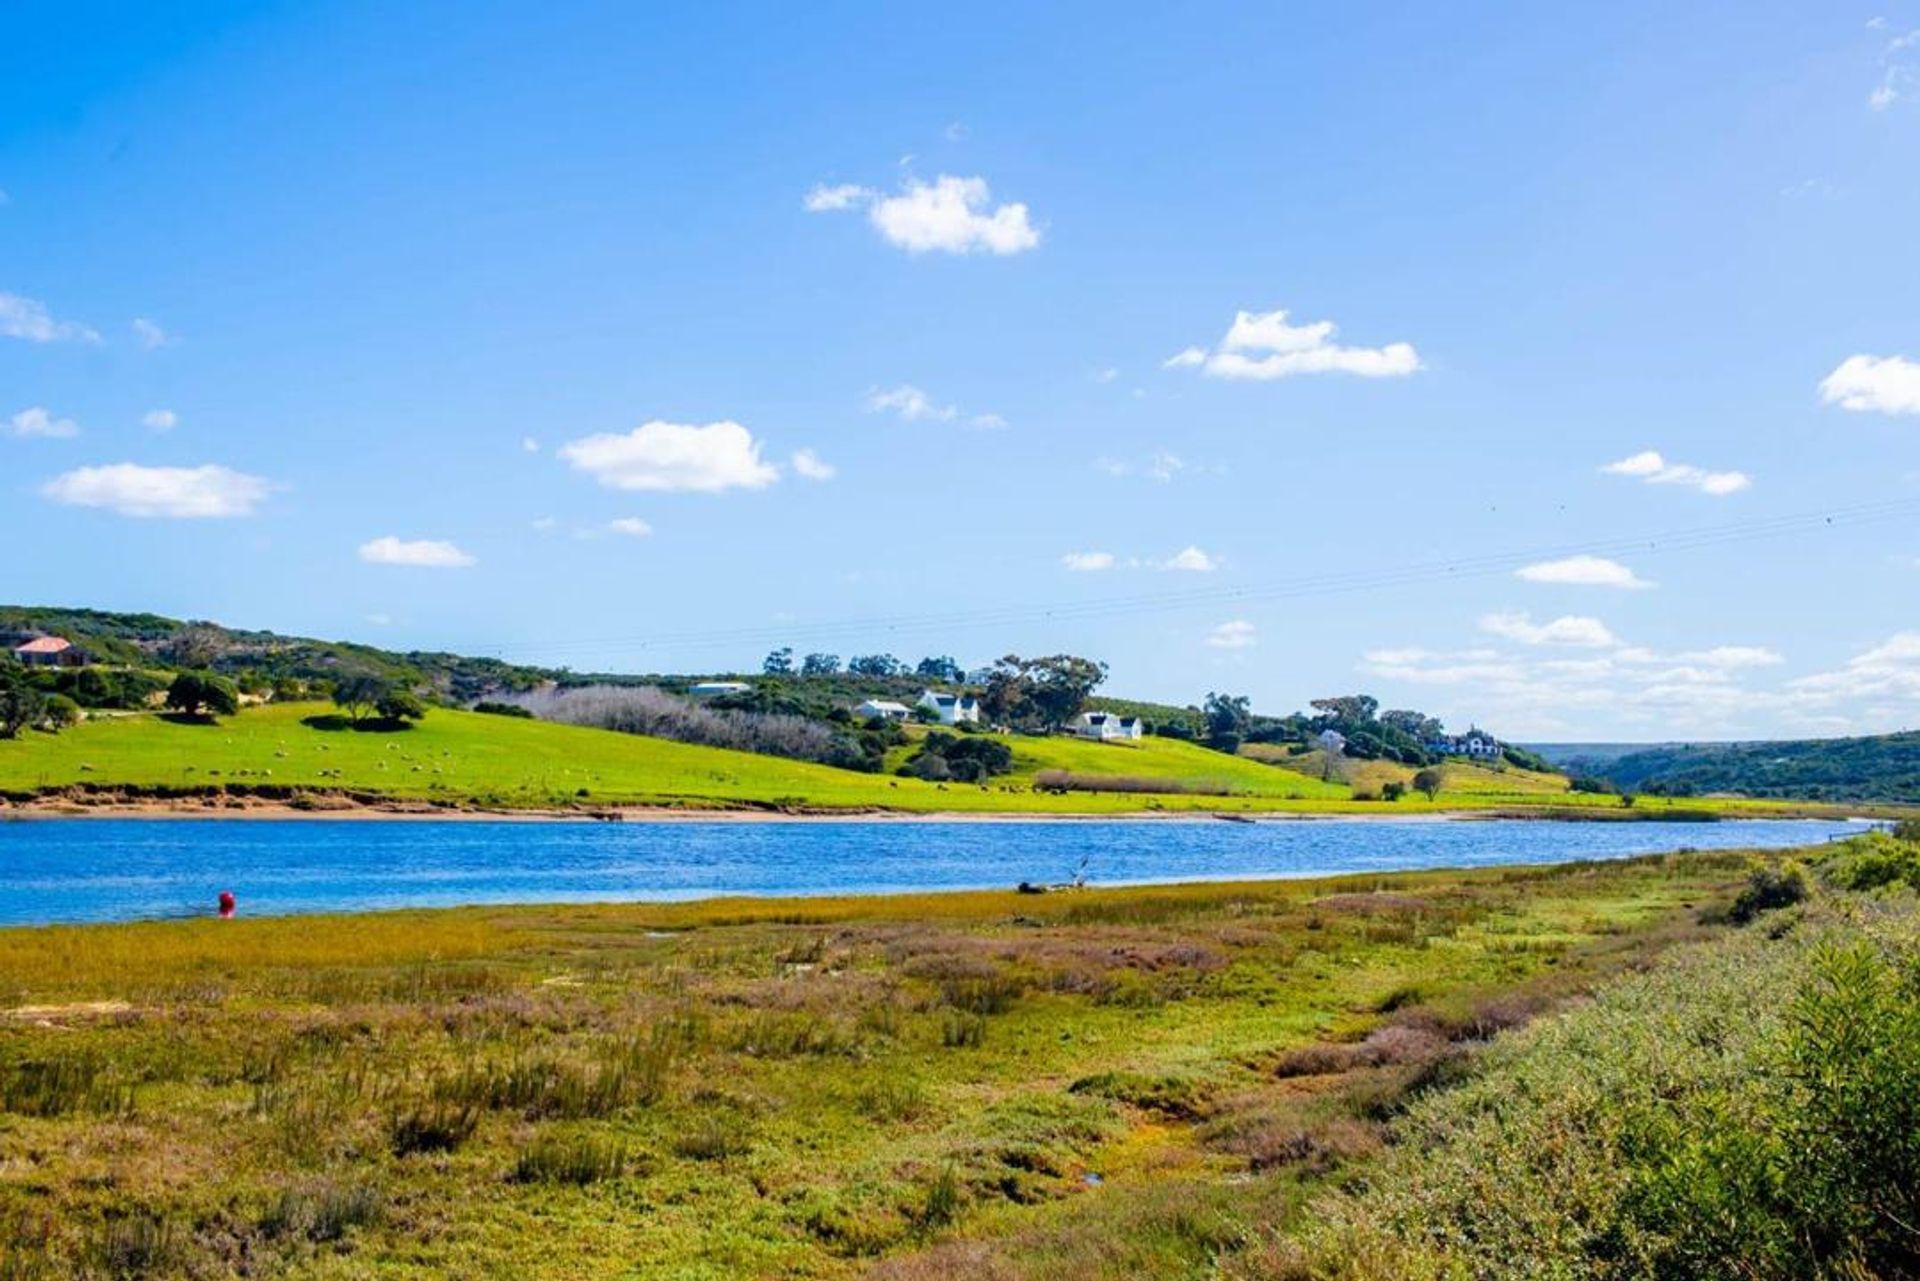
(1475, 743)
(964, 709)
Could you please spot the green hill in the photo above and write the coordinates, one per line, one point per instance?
(1883, 768)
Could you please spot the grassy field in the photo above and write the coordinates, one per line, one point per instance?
(466, 759)
(1118, 1083)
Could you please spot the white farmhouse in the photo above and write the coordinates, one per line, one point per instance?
(1476, 744)
(952, 709)
(717, 689)
(1107, 727)
(882, 708)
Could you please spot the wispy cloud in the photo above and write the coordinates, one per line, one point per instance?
(1189, 560)
(1583, 571)
(418, 553)
(810, 466)
(149, 334)
(948, 215)
(1653, 468)
(911, 405)
(29, 319)
(1874, 384)
(1159, 466)
(630, 526)
(663, 456)
(130, 489)
(1088, 562)
(40, 422)
(1260, 346)
(1237, 633)
(159, 420)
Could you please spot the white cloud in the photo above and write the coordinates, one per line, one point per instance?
(1237, 633)
(1088, 562)
(1105, 375)
(528, 445)
(1887, 673)
(546, 524)
(955, 132)
(810, 466)
(159, 420)
(1190, 560)
(1571, 630)
(1883, 96)
(1583, 571)
(1159, 465)
(911, 405)
(1874, 384)
(148, 334)
(1653, 468)
(666, 456)
(1261, 345)
(38, 421)
(631, 526)
(951, 215)
(420, 553)
(133, 490)
(824, 199)
(380, 620)
(29, 319)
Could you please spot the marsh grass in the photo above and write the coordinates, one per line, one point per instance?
(784, 1086)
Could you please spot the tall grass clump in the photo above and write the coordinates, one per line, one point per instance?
(62, 1085)
(576, 1159)
(649, 710)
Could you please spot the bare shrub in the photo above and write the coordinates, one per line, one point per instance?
(649, 710)
(1060, 780)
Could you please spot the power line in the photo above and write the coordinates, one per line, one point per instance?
(1330, 583)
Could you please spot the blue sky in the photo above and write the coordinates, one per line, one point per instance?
(627, 339)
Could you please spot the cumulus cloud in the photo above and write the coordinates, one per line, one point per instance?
(662, 456)
(911, 405)
(810, 466)
(149, 334)
(1887, 673)
(630, 526)
(948, 215)
(28, 319)
(40, 422)
(1571, 630)
(1236, 633)
(1261, 345)
(187, 492)
(1189, 560)
(159, 420)
(1088, 562)
(1583, 571)
(419, 553)
(1651, 466)
(1874, 384)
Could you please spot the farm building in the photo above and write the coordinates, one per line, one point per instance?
(882, 708)
(1107, 726)
(1476, 743)
(48, 651)
(718, 689)
(952, 709)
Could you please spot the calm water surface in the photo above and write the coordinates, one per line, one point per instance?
(117, 869)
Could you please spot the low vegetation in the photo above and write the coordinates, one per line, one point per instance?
(1142, 1080)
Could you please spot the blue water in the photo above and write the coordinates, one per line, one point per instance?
(118, 869)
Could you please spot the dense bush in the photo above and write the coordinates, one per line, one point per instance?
(968, 758)
(644, 709)
(488, 707)
(1750, 1110)
(1876, 861)
(1768, 890)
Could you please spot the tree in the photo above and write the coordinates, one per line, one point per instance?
(820, 665)
(875, 665)
(939, 669)
(21, 704)
(1430, 781)
(1228, 717)
(195, 646)
(60, 712)
(779, 662)
(400, 705)
(1042, 692)
(358, 694)
(1418, 726)
(197, 694)
(1346, 713)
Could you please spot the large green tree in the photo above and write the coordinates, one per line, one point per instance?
(203, 694)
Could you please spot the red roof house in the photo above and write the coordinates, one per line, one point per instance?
(50, 651)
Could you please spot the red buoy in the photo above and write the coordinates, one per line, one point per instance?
(227, 904)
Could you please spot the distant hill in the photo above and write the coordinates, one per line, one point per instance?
(1884, 768)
